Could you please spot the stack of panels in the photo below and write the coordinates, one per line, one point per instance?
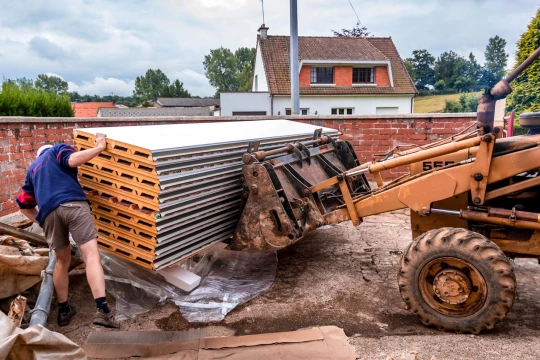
(162, 193)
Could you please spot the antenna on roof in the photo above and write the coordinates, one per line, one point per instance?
(354, 13)
(262, 6)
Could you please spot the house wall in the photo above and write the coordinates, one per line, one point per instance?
(244, 101)
(343, 75)
(259, 75)
(305, 76)
(368, 134)
(362, 104)
(381, 76)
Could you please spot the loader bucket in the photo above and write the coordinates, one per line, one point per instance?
(280, 206)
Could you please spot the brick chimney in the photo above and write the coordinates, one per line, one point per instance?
(263, 32)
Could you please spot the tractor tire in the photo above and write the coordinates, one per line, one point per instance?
(457, 280)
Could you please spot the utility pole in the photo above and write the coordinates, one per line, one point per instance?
(295, 86)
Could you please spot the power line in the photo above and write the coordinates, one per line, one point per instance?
(354, 13)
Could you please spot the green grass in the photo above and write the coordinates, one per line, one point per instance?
(433, 103)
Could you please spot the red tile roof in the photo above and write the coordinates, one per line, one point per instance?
(275, 55)
(90, 109)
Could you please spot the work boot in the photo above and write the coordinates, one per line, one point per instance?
(106, 320)
(65, 318)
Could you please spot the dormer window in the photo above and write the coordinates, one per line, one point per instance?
(322, 75)
(362, 76)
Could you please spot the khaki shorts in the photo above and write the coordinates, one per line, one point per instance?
(73, 217)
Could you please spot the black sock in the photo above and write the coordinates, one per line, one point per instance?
(101, 304)
(63, 308)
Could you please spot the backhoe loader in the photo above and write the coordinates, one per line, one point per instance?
(473, 200)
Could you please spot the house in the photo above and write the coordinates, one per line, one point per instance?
(89, 109)
(154, 111)
(340, 76)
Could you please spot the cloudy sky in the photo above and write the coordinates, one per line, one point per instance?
(100, 46)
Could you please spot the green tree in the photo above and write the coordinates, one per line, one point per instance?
(465, 103)
(221, 69)
(355, 32)
(245, 64)
(51, 83)
(228, 71)
(410, 69)
(452, 68)
(496, 61)
(156, 84)
(526, 94)
(422, 64)
(474, 71)
(17, 100)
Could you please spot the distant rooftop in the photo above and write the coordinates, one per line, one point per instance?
(187, 102)
(90, 109)
(142, 112)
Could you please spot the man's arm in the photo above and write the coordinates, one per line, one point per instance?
(30, 213)
(78, 158)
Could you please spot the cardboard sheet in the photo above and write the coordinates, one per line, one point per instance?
(36, 342)
(320, 343)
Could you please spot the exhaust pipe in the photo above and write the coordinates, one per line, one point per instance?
(486, 104)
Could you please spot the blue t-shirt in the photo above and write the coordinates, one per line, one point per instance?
(50, 182)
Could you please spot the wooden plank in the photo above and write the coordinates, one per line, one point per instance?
(24, 235)
(142, 202)
(120, 183)
(120, 159)
(151, 179)
(115, 146)
(127, 251)
(126, 222)
(112, 203)
(125, 232)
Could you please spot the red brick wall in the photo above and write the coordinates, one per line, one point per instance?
(381, 76)
(369, 135)
(305, 75)
(343, 75)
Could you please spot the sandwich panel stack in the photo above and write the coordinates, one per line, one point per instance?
(162, 193)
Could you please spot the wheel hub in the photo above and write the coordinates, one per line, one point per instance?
(452, 286)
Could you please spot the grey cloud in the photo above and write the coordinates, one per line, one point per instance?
(47, 49)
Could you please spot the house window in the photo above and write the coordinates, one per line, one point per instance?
(256, 82)
(302, 111)
(362, 75)
(342, 111)
(322, 75)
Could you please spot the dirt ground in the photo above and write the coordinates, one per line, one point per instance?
(346, 276)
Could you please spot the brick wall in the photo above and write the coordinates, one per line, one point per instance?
(305, 76)
(343, 75)
(381, 76)
(369, 135)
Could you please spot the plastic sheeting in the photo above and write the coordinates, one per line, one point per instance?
(228, 279)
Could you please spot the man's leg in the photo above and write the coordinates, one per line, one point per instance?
(84, 234)
(60, 274)
(94, 271)
(57, 237)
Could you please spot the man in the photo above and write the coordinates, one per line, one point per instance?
(52, 185)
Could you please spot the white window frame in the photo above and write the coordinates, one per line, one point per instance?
(342, 111)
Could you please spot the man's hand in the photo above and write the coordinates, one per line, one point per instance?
(80, 157)
(101, 142)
